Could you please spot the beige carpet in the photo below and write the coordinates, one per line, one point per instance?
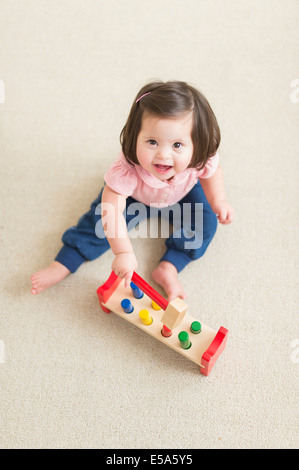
(72, 376)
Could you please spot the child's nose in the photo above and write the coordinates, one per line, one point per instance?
(164, 153)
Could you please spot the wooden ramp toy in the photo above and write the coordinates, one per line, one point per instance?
(166, 321)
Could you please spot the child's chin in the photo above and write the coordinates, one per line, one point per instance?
(165, 175)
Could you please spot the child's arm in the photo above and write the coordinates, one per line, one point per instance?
(214, 190)
(115, 228)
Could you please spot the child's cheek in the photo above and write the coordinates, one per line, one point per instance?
(144, 158)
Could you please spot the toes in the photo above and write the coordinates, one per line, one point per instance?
(36, 290)
(35, 284)
(36, 287)
(173, 295)
(34, 280)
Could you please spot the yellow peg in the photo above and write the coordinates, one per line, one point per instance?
(155, 306)
(145, 317)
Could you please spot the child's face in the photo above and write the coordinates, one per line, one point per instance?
(164, 146)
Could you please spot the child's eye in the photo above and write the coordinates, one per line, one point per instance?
(152, 142)
(177, 145)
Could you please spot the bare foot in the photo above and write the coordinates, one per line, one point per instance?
(166, 276)
(45, 278)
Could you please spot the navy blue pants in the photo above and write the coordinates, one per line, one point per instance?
(187, 242)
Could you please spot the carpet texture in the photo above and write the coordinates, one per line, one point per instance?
(72, 376)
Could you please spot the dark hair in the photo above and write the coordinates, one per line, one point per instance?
(166, 100)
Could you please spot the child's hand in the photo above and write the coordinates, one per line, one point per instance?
(123, 265)
(225, 213)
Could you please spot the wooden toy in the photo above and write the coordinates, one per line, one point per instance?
(174, 313)
(166, 321)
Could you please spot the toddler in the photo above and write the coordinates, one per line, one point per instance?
(169, 158)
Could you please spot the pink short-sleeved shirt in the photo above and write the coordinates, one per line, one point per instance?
(133, 180)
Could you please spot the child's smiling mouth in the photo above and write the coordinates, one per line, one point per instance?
(162, 168)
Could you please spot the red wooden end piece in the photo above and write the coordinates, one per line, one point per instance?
(150, 291)
(216, 347)
(107, 289)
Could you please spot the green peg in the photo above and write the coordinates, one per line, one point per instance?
(195, 327)
(184, 340)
